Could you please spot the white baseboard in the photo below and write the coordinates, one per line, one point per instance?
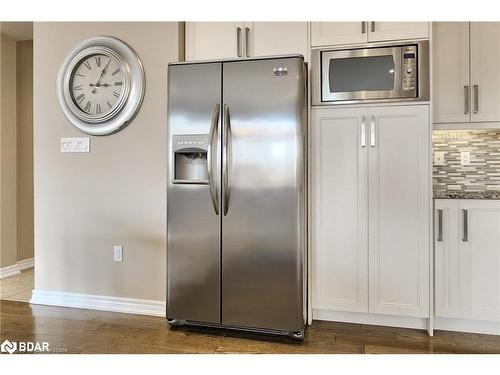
(96, 302)
(466, 325)
(26, 264)
(16, 269)
(371, 319)
(9, 271)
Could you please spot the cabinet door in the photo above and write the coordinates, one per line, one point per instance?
(339, 179)
(446, 258)
(399, 206)
(382, 31)
(479, 256)
(213, 40)
(485, 72)
(334, 33)
(276, 38)
(451, 99)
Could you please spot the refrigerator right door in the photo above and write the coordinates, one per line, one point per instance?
(263, 194)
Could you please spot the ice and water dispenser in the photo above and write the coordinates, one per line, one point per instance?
(190, 159)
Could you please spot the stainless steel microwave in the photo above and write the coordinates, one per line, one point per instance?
(377, 72)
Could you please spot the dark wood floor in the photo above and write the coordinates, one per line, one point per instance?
(87, 331)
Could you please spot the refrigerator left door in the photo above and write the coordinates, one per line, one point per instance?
(193, 193)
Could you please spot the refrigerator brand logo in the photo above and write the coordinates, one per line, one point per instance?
(24, 347)
(280, 71)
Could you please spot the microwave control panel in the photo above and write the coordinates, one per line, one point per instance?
(409, 76)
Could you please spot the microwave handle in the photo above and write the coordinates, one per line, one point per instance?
(372, 131)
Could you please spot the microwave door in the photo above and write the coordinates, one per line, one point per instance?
(362, 74)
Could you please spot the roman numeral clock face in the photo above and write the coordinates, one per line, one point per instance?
(101, 85)
(97, 84)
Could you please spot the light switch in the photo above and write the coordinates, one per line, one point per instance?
(118, 253)
(75, 144)
(439, 157)
(465, 158)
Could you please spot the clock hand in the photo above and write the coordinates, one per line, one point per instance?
(100, 77)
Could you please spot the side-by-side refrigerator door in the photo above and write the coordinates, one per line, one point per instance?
(263, 193)
(193, 192)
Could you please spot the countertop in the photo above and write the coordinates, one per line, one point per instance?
(459, 194)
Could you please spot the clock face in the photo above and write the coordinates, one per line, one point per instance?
(97, 84)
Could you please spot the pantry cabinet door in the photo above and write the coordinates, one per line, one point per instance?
(399, 209)
(446, 267)
(384, 31)
(276, 38)
(451, 98)
(485, 72)
(213, 40)
(338, 33)
(479, 255)
(340, 209)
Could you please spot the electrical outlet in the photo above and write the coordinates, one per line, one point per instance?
(465, 158)
(439, 157)
(118, 253)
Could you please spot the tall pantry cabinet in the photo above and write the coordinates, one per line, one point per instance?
(371, 194)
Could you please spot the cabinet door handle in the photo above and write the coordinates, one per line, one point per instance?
(247, 45)
(372, 131)
(465, 234)
(440, 225)
(476, 98)
(238, 41)
(363, 131)
(372, 26)
(466, 100)
(363, 27)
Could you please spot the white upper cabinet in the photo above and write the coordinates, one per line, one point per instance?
(451, 99)
(213, 40)
(385, 31)
(446, 258)
(479, 264)
(399, 209)
(220, 40)
(339, 33)
(485, 70)
(460, 97)
(340, 256)
(334, 33)
(276, 38)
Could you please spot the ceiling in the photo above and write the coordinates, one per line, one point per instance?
(17, 30)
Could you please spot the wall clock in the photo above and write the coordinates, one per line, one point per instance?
(101, 85)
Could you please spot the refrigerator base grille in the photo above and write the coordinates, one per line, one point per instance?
(296, 335)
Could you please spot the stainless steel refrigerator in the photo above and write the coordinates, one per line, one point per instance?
(236, 194)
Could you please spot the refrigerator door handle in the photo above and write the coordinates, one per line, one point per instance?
(227, 157)
(211, 182)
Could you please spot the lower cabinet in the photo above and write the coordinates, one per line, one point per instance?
(467, 266)
(371, 205)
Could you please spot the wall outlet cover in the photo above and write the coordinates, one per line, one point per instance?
(118, 253)
(439, 157)
(465, 158)
(75, 144)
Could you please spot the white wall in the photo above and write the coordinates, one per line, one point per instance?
(116, 194)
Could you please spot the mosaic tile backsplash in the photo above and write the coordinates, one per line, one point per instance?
(483, 173)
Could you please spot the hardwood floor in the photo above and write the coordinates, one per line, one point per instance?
(19, 287)
(87, 331)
